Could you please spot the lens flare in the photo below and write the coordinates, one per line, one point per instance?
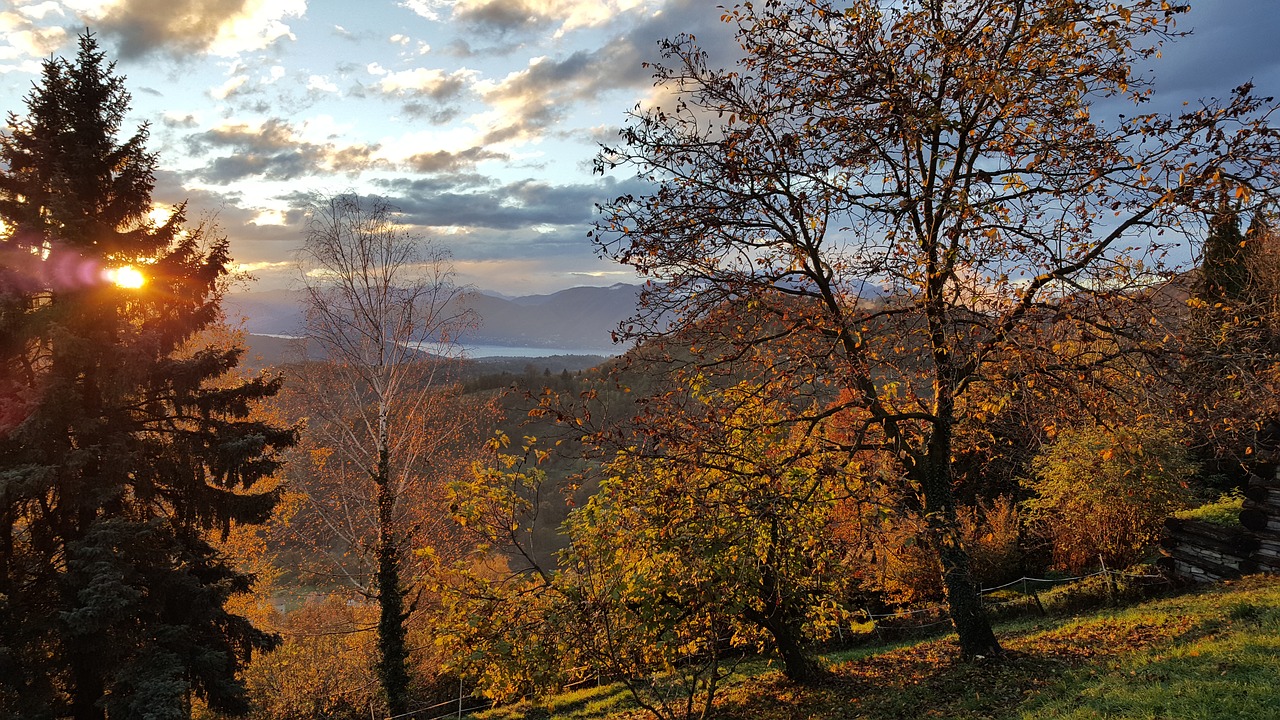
(127, 276)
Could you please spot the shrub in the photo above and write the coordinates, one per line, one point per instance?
(323, 669)
(1105, 492)
(1224, 511)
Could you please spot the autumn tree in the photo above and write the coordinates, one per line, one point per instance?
(889, 197)
(729, 515)
(379, 300)
(124, 442)
(1227, 359)
(1102, 494)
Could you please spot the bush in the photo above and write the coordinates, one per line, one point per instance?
(992, 533)
(1225, 511)
(907, 571)
(323, 669)
(1105, 492)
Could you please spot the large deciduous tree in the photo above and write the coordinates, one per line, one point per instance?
(378, 300)
(123, 440)
(886, 199)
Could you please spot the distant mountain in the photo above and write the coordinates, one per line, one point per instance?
(274, 312)
(579, 318)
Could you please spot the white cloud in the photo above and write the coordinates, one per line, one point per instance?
(267, 217)
(257, 26)
(429, 9)
(23, 45)
(224, 28)
(40, 10)
(226, 89)
(322, 83)
(431, 82)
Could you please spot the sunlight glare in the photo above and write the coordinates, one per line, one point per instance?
(127, 276)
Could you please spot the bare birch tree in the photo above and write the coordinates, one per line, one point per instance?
(376, 296)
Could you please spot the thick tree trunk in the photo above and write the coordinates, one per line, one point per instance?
(88, 688)
(778, 620)
(797, 664)
(967, 615)
(393, 654)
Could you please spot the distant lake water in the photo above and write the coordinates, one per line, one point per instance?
(480, 352)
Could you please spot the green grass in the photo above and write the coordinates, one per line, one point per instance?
(582, 704)
(1208, 654)
(1224, 511)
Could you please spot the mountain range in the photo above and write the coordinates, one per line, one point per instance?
(579, 318)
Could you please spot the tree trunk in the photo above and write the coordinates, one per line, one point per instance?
(88, 689)
(393, 655)
(778, 621)
(798, 666)
(967, 615)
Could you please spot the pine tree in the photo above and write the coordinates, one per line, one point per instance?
(124, 444)
(1226, 257)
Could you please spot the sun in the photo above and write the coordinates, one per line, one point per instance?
(127, 276)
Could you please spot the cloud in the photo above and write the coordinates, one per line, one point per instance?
(273, 151)
(228, 88)
(179, 120)
(428, 9)
(423, 82)
(321, 83)
(1239, 46)
(428, 93)
(24, 44)
(181, 28)
(506, 16)
(443, 161)
(514, 206)
(529, 101)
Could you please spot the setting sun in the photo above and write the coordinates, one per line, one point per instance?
(127, 276)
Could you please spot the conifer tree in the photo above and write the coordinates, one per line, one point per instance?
(1226, 255)
(124, 445)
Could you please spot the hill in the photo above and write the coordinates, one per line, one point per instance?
(1211, 653)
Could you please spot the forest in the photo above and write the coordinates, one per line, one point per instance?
(942, 330)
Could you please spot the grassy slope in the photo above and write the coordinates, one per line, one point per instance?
(1209, 654)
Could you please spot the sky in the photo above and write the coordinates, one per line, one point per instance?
(478, 119)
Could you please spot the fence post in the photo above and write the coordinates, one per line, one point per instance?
(1106, 575)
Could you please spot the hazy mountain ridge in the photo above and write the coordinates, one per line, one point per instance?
(577, 318)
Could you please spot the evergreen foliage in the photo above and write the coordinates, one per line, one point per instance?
(124, 445)
(1226, 254)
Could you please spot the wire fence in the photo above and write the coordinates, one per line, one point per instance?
(1024, 581)
(465, 704)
